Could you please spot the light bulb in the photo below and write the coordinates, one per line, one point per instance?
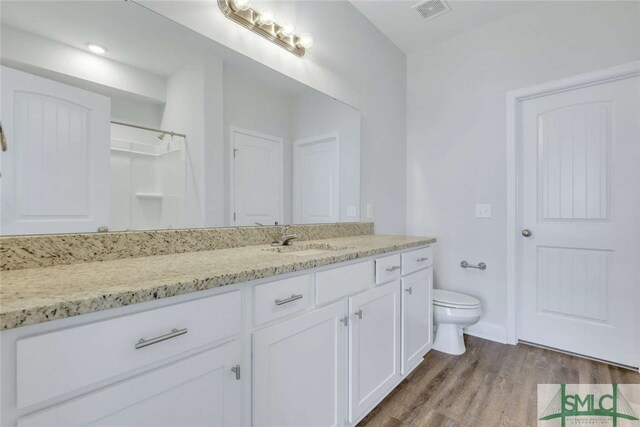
(242, 4)
(265, 17)
(96, 48)
(286, 29)
(305, 40)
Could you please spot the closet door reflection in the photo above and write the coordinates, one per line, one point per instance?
(257, 180)
(316, 178)
(55, 174)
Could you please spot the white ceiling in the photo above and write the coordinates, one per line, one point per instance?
(132, 34)
(410, 32)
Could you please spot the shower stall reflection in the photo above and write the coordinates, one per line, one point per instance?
(147, 179)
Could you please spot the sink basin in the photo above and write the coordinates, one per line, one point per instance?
(307, 249)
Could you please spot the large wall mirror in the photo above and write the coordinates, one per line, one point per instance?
(117, 118)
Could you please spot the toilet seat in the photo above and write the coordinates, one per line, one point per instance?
(450, 299)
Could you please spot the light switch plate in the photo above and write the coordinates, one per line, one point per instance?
(351, 211)
(483, 211)
(369, 210)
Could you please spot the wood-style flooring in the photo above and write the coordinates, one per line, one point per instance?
(490, 385)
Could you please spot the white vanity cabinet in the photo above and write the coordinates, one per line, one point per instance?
(320, 347)
(417, 313)
(300, 370)
(374, 347)
(198, 391)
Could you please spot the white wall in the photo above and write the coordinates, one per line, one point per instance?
(194, 107)
(456, 127)
(351, 61)
(38, 55)
(315, 114)
(135, 111)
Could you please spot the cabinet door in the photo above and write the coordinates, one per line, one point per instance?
(300, 370)
(417, 318)
(374, 356)
(200, 390)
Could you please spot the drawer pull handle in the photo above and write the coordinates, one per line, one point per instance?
(292, 298)
(409, 290)
(174, 333)
(394, 268)
(358, 313)
(422, 259)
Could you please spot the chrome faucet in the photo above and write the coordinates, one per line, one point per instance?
(285, 239)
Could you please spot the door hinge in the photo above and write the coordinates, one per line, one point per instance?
(235, 151)
(236, 370)
(234, 216)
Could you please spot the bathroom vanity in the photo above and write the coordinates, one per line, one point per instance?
(335, 326)
(195, 319)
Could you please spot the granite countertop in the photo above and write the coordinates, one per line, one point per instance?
(38, 295)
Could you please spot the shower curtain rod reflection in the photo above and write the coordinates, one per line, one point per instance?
(160, 131)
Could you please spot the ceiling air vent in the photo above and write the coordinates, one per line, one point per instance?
(431, 8)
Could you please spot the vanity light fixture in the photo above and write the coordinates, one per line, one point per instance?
(242, 4)
(305, 40)
(265, 17)
(262, 22)
(96, 48)
(287, 29)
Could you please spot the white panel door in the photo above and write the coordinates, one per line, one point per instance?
(300, 370)
(316, 180)
(580, 198)
(374, 352)
(198, 391)
(55, 174)
(257, 177)
(417, 318)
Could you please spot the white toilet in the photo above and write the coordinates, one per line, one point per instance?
(453, 311)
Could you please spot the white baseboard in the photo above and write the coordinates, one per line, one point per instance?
(488, 331)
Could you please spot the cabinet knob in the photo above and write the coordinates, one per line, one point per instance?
(3, 140)
(527, 233)
(409, 290)
(358, 313)
(236, 370)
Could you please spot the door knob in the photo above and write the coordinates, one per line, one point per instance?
(526, 233)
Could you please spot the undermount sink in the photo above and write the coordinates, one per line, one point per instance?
(306, 249)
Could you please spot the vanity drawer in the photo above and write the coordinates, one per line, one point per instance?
(282, 297)
(416, 260)
(342, 281)
(59, 362)
(387, 268)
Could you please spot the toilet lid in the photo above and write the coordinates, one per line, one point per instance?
(454, 299)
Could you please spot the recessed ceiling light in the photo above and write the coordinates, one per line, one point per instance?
(96, 48)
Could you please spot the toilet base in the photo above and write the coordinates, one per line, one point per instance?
(449, 339)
